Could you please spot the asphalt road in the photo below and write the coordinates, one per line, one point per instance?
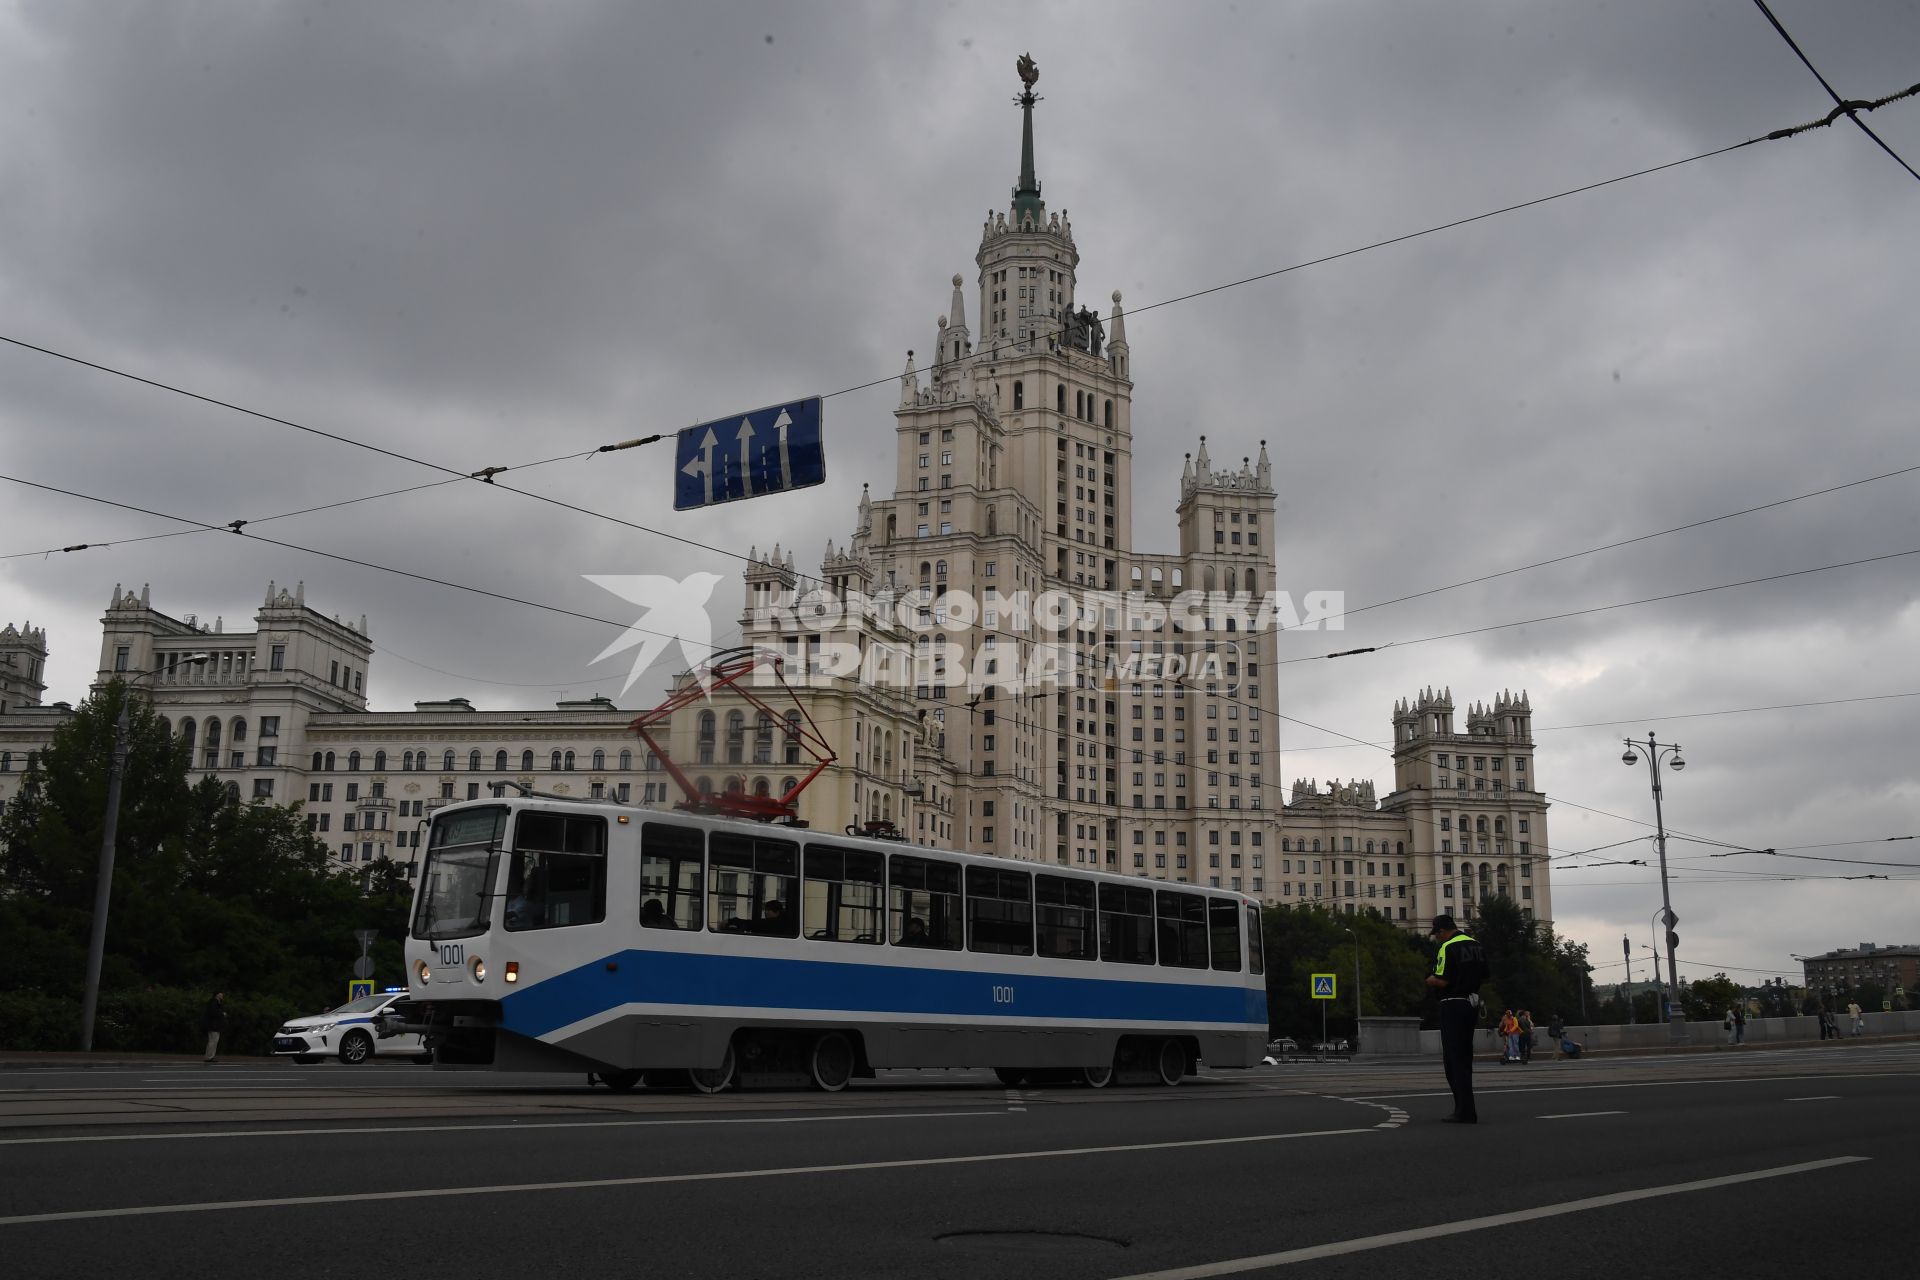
(1790, 1163)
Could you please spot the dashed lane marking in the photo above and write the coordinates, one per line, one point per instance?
(506, 1126)
(1818, 1097)
(1580, 1115)
(592, 1184)
(1361, 1244)
(1014, 1101)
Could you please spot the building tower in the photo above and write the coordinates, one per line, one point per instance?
(23, 666)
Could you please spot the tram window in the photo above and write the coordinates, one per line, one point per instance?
(1223, 920)
(1064, 915)
(558, 873)
(999, 911)
(670, 859)
(1126, 924)
(843, 894)
(750, 885)
(1183, 929)
(926, 903)
(1256, 944)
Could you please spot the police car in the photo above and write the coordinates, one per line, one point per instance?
(351, 1032)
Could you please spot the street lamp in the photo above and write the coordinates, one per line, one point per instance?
(1356, 983)
(1626, 949)
(109, 829)
(1676, 1016)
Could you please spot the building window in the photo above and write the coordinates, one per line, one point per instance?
(121, 656)
(277, 658)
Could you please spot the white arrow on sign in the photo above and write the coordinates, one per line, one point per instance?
(702, 466)
(780, 424)
(742, 436)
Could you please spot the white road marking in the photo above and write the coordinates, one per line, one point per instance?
(593, 1184)
(1818, 1097)
(1361, 1244)
(1014, 1101)
(1660, 1084)
(1580, 1115)
(512, 1126)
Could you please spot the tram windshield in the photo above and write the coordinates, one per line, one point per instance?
(457, 886)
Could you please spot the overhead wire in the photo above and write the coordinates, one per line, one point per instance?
(1841, 106)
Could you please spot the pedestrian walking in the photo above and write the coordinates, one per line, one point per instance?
(1829, 1025)
(1509, 1037)
(1458, 971)
(1526, 1035)
(1859, 1023)
(213, 1020)
(1740, 1024)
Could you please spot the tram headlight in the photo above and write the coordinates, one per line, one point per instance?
(478, 968)
(422, 973)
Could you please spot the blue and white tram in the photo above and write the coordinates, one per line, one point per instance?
(551, 935)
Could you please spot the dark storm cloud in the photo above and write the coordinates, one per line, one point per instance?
(489, 234)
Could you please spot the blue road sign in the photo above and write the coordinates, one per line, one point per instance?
(359, 987)
(769, 450)
(1323, 986)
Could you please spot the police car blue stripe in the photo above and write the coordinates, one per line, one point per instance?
(777, 983)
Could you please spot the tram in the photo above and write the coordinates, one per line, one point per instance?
(551, 934)
(724, 942)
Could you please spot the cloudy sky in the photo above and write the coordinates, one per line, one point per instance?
(487, 234)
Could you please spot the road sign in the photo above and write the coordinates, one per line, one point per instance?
(359, 987)
(363, 967)
(1323, 986)
(365, 937)
(748, 455)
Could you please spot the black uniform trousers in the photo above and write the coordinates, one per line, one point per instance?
(1457, 1021)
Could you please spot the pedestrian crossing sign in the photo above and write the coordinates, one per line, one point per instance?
(359, 987)
(1323, 986)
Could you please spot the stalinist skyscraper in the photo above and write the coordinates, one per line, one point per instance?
(1136, 734)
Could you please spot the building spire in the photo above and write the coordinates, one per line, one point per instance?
(1026, 196)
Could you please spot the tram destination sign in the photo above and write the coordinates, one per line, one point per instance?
(749, 455)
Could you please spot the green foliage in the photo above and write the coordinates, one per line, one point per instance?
(1708, 999)
(1532, 969)
(208, 894)
(1302, 941)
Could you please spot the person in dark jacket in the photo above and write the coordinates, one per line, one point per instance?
(213, 1021)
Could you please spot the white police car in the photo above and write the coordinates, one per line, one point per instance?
(351, 1032)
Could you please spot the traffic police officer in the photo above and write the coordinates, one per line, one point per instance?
(1458, 971)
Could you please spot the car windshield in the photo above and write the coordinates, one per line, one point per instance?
(457, 886)
(365, 1004)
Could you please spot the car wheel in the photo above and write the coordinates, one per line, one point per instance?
(356, 1048)
(1170, 1063)
(715, 1079)
(831, 1062)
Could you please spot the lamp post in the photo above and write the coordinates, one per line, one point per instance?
(1676, 1016)
(109, 829)
(1626, 949)
(1668, 987)
(1356, 984)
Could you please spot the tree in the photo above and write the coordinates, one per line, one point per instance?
(1708, 999)
(208, 893)
(1302, 941)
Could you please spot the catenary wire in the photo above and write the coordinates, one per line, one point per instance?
(1840, 105)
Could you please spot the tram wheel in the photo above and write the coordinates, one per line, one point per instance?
(620, 1081)
(1170, 1063)
(1096, 1077)
(713, 1079)
(831, 1062)
(1009, 1076)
